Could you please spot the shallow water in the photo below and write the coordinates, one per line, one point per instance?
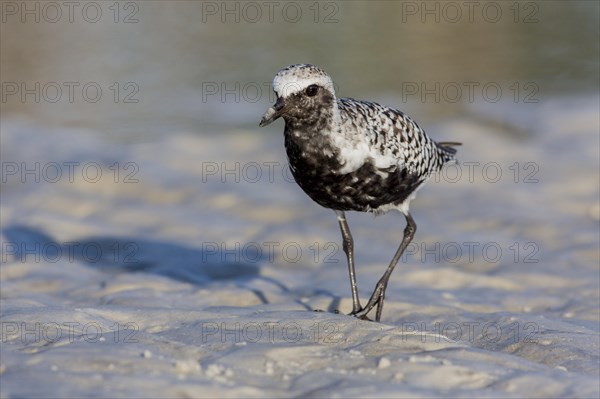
(159, 247)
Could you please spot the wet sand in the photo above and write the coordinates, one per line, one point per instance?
(190, 265)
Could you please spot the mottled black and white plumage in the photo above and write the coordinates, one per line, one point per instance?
(350, 155)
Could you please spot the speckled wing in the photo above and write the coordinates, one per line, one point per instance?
(395, 136)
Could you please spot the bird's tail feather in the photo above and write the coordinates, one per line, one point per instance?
(447, 150)
(448, 146)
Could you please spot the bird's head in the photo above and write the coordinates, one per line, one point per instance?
(304, 94)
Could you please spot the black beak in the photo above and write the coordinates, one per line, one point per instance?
(273, 112)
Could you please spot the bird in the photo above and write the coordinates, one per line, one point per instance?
(352, 155)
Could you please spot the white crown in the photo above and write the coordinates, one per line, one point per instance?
(296, 78)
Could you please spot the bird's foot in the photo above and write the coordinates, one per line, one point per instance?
(362, 314)
(376, 301)
(357, 311)
(359, 315)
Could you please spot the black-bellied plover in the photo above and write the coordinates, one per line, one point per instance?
(350, 155)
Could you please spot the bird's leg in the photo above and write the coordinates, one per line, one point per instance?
(348, 245)
(379, 293)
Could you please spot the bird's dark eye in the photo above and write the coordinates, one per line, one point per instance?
(312, 90)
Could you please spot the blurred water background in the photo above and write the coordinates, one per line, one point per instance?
(206, 66)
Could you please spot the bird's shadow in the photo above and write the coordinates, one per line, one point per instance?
(199, 266)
